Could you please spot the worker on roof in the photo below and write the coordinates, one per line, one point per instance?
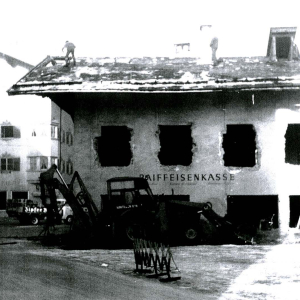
(214, 47)
(70, 50)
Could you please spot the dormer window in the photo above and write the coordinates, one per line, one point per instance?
(281, 44)
(10, 132)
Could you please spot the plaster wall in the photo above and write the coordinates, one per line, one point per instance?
(206, 179)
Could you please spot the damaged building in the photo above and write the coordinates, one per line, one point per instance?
(226, 133)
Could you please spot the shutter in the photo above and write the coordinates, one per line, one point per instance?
(3, 164)
(16, 164)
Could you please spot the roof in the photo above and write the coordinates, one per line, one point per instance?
(15, 62)
(157, 74)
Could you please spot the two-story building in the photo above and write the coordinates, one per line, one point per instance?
(34, 135)
(227, 133)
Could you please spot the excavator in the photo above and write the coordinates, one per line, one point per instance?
(128, 211)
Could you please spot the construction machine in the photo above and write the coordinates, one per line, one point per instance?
(130, 210)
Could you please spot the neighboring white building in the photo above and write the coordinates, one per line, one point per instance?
(30, 137)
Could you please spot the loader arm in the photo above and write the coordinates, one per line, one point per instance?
(84, 209)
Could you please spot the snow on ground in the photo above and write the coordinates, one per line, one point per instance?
(276, 276)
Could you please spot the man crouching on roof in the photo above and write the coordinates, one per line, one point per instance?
(70, 49)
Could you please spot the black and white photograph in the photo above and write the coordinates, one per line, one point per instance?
(150, 150)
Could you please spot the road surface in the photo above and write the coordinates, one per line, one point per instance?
(29, 270)
(37, 277)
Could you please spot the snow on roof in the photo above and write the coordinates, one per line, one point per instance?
(158, 74)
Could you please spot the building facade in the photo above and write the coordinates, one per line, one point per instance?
(33, 137)
(226, 133)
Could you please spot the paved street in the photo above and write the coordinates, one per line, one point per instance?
(32, 271)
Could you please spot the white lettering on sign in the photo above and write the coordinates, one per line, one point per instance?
(28, 209)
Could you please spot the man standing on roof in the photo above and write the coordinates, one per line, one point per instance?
(70, 49)
(214, 47)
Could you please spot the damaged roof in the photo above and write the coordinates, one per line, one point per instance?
(15, 62)
(159, 74)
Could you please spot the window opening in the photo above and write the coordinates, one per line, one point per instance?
(44, 162)
(292, 144)
(32, 163)
(62, 166)
(2, 200)
(69, 138)
(54, 161)
(69, 167)
(283, 45)
(19, 195)
(294, 210)
(176, 145)
(239, 146)
(10, 132)
(7, 131)
(54, 132)
(63, 136)
(114, 146)
(10, 164)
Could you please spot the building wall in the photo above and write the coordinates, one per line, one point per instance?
(63, 147)
(206, 178)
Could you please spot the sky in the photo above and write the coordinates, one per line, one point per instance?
(31, 30)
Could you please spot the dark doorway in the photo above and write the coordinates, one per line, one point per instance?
(252, 210)
(2, 200)
(294, 210)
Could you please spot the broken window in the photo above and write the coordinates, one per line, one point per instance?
(113, 146)
(294, 210)
(292, 144)
(176, 145)
(239, 146)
